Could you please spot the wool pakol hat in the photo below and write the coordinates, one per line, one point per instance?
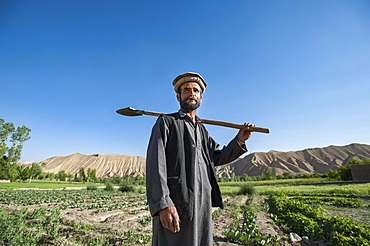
(189, 77)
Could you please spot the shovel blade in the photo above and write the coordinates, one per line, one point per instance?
(130, 111)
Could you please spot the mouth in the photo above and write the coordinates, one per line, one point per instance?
(191, 99)
(190, 103)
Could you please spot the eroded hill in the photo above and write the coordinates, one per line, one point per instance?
(305, 161)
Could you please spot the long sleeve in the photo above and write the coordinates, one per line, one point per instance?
(229, 152)
(158, 194)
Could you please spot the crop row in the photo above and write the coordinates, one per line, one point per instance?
(43, 225)
(304, 215)
(335, 201)
(344, 190)
(247, 232)
(16, 228)
(299, 216)
(68, 197)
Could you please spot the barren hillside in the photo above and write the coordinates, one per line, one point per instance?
(105, 165)
(254, 164)
(306, 161)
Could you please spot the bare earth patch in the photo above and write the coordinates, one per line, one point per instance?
(124, 218)
(225, 217)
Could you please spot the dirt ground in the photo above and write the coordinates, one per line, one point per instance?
(265, 224)
(134, 221)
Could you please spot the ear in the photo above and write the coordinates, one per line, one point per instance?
(178, 96)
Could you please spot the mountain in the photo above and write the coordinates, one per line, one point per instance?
(318, 160)
(105, 165)
(305, 161)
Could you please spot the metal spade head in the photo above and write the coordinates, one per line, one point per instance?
(130, 111)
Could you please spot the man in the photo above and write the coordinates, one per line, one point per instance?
(180, 177)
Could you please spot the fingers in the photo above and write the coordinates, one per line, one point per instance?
(176, 226)
(249, 125)
(245, 133)
(247, 128)
(173, 224)
(170, 219)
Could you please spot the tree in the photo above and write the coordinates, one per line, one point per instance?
(82, 174)
(18, 138)
(6, 129)
(46, 176)
(344, 172)
(69, 176)
(288, 175)
(35, 170)
(61, 175)
(15, 136)
(4, 167)
(354, 161)
(13, 172)
(91, 175)
(24, 172)
(269, 176)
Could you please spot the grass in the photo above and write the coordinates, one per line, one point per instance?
(338, 189)
(360, 215)
(343, 189)
(40, 184)
(229, 188)
(277, 181)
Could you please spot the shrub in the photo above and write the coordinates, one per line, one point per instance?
(141, 190)
(247, 189)
(109, 187)
(91, 187)
(344, 172)
(288, 175)
(125, 187)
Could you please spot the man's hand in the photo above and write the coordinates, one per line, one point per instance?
(170, 219)
(244, 133)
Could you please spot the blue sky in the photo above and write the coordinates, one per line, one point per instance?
(300, 68)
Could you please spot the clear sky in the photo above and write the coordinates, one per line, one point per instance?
(300, 68)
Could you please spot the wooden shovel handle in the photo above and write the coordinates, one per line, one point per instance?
(237, 126)
(136, 112)
(218, 123)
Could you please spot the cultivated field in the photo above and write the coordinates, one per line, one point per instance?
(326, 214)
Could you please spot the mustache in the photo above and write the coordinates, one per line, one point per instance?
(192, 98)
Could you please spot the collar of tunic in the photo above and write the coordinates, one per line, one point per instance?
(183, 115)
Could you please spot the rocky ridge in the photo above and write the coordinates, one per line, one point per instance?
(305, 161)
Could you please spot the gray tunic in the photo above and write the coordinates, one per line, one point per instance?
(197, 232)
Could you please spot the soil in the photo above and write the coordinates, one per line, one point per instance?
(78, 223)
(265, 224)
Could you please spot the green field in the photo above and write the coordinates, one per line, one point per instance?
(40, 184)
(335, 213)
(291, 187)
(279, 181)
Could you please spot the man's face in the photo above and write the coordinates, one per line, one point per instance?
(190, 96)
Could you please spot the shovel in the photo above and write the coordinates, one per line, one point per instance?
(136, 112)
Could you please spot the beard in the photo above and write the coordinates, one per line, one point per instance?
(189, 106)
